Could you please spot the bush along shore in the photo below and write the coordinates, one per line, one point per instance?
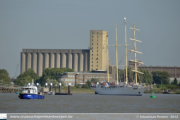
(161, 91)
(170, 89)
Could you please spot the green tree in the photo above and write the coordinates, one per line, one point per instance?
(146, 77)
(52, 73)
(88, 83)
(62, 84)
(22, 81)
(159, 76)
(175, 82)
(142, 78)
(95, 80)
(53, 81)
(29, 72)
(78, 86)
(4, 77)
(26, 77)
(122, 75)
(85, 86)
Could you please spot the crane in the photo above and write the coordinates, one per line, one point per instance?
(16, 71)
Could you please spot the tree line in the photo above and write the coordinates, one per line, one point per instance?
(51, 75)
(4, 77)
(154, 77)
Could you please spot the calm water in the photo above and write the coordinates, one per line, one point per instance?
(91, 103)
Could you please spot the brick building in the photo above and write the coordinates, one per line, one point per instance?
(173, 71)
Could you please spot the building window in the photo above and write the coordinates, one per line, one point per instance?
(97, 36)
(92, 61)
(92, 39)
(97, 54)
(97, 32)
(95, 76)
(92, 43)
(92, 36)
(97, 43)
(92, 65)
(97, 65)
(88, 76)
(97, 47)
(92, 54)
(87, 80)
(97, 50)
(92, 47)
(80, 80)
(92, 58)
(97, 61)
(92, 32)
(97, 40)
(92, 50)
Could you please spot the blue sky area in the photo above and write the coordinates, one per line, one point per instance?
(66, 24)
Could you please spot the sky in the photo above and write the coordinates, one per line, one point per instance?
(66, 24)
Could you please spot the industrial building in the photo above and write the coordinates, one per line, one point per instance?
(173, 71)
(40, 59)
(75, 78)
(98, 50)
(80, 60)
(77, 59)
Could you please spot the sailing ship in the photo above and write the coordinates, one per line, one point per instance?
(125, 88)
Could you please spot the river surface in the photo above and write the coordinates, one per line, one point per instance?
(91, 103)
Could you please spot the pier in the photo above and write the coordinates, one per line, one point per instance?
(69, 91)
(7, 88)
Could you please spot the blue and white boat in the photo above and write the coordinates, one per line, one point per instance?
(30, 92)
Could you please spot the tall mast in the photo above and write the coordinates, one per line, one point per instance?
(107, 58)
(126, 51)
(135, 51)
(135, 54)
(116, 54)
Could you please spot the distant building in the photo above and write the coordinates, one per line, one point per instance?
(173, 71)
(82, 77)
(98, 49)
(40, 59)
(94, 58)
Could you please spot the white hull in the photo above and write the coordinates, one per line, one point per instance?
(130, 91)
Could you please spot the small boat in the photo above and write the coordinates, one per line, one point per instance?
(30, 92)
(51, 93)
(165, 92)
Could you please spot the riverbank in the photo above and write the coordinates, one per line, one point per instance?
(76, 90)
(157, 90)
